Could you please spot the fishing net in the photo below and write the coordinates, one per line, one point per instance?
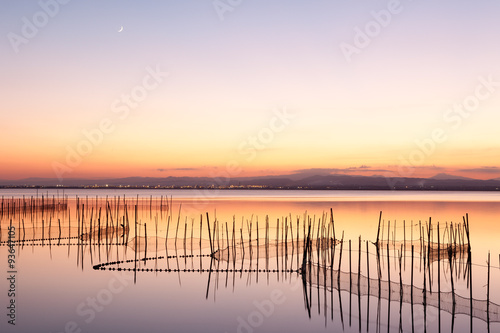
(358, 284)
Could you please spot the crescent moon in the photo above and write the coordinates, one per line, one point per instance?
(121, 29)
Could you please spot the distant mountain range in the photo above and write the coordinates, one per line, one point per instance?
(447, 176)
(294, 181)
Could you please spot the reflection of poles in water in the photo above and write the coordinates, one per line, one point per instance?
(209, 274)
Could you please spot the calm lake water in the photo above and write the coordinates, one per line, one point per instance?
(157, 275)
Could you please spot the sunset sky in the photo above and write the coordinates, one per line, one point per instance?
(196, 88)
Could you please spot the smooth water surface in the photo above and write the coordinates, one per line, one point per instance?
(59, 289)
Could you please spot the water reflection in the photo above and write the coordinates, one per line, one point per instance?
(420, 272)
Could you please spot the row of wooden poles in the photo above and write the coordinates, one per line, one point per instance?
(458, 237)
(455, 233)
(44, 204)
(325, 231)
(90, 209)
(328, 275)
(50, 204)
(226, 237)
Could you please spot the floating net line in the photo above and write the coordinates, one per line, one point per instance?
(358, 284)
(269, 249)
(54, 232)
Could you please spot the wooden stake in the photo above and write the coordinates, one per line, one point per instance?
(340, 258)
(378, 231)
(368, 267)
(412, 249)
(359, 263)
(388, 269)
(201, 229)
(333, 223)
(209, 235)
(404, 234)
(350, 263)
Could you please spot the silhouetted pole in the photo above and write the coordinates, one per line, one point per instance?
(333, 223)
(412, 251)
(378, 231)
(135, 249)
(209, 235)
(145, 243)
(439, 273)
(470, 289)
(350, 264)
(340, 259)
(368, 267)
(388, 267)
(201, 232)
(359, 264)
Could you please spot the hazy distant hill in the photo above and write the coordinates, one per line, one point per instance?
(334, 181)
(448, 176)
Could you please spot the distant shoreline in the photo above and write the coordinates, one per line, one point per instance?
(260, 188)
